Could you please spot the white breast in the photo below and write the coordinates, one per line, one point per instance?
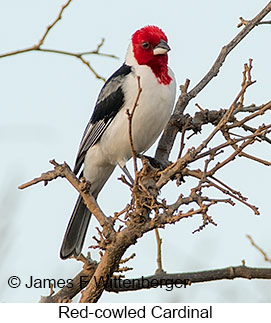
(151, 115)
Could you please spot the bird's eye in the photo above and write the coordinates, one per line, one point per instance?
(145, 45)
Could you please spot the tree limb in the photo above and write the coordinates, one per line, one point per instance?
(166, 142)
(178, 280)
(190, 278)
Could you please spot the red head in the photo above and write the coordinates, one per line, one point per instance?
(150, 48)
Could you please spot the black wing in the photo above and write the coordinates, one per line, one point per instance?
(109, 102)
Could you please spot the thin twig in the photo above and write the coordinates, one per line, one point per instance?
(159, 252)
(182, 143)
(53, 23)
(130, 126)
(252, 207)
(41, 41)
(37, 47)
(266, 258)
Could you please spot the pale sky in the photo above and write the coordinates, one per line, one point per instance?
(46, 101)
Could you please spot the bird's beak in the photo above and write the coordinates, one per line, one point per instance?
(161, 48)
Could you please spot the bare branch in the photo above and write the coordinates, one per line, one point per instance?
(41, 41)
(82, 187)
(177, 280)
(79, 56)
(53, 23)
(166, 142)
(117, 285)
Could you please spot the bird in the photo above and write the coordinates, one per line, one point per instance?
(105, 142)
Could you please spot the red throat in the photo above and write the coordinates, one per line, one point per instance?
(160, 69)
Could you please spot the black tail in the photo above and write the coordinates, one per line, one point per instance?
(76, 231)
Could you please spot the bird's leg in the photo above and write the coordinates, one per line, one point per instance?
(126, 172)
